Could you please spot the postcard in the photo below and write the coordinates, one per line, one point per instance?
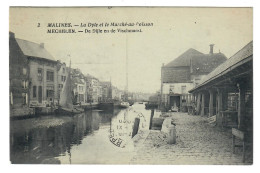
(131, 85)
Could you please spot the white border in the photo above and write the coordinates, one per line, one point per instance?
(4, 144)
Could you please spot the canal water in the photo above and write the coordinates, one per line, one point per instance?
(93, 137)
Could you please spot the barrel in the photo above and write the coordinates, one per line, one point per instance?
(171, 134)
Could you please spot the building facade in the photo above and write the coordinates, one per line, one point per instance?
(62, 74)
(106, 91)
(94, 89)
(184, 73)
(116, 93)
(42, 74)
(78, 86)
(18, 75)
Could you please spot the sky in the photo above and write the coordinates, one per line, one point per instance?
(174, 31)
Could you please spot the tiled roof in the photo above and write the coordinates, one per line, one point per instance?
(34, 49)
(204, 64)
(190, 63)
(184, 59)
(241, 55)
(77, 80)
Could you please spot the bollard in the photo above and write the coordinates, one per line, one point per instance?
(136, 126)
(151, 119)
(171, 135)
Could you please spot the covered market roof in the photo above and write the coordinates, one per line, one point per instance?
(242, 56)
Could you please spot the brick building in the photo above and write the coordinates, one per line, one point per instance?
(18, 75)
(184, 73)
(78, 86)
(62, 73)
(94, 89)
(42, 74)
(106, 91)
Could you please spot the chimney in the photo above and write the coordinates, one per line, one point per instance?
(42, 45)
(211, 48)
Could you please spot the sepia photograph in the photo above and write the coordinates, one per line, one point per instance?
(131, 85)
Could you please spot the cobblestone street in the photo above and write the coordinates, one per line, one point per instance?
(198, 142)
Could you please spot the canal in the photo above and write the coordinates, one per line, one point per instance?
(94, 137)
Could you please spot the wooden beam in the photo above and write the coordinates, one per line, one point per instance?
(241, 106)
(198, 103)
(211, 106)
(225, 78)
(220, 106)
(202, 113)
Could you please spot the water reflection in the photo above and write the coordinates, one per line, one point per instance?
(43, 144)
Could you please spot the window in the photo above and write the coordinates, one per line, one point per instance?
(25, 98)
(34, 91)
(81, 98)
(50, 91)
(60, 86)
(24, 71)
(63, 78)
(39, 74)
(50, 76)
(24, 84)
(197, 81)
(183, 89)
(81, 88)
(171, 90)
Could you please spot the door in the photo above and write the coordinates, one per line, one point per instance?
(171, 102)
(40, 94)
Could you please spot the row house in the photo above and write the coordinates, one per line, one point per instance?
(42, 73)
(37, 79)
(117, 94)
(184, 73)
(106, 91)
(62, 72)
(94, 89)
(78, 86)
(18, 75)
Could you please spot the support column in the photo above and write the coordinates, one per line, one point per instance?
(168, 102)
(216, 109)
(211, 106)
(241, 106)
(180, 108)
(220, 106)
(202, 113)
(198, 103)
(225, 100)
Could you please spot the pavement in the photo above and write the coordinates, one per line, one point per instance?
(197, 143)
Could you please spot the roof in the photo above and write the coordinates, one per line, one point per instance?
(89, 77)
(184, 59)
(33, 49)
(104, 83)
(190, 63)
(77, 80)
(236, 59)
(204, 64)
